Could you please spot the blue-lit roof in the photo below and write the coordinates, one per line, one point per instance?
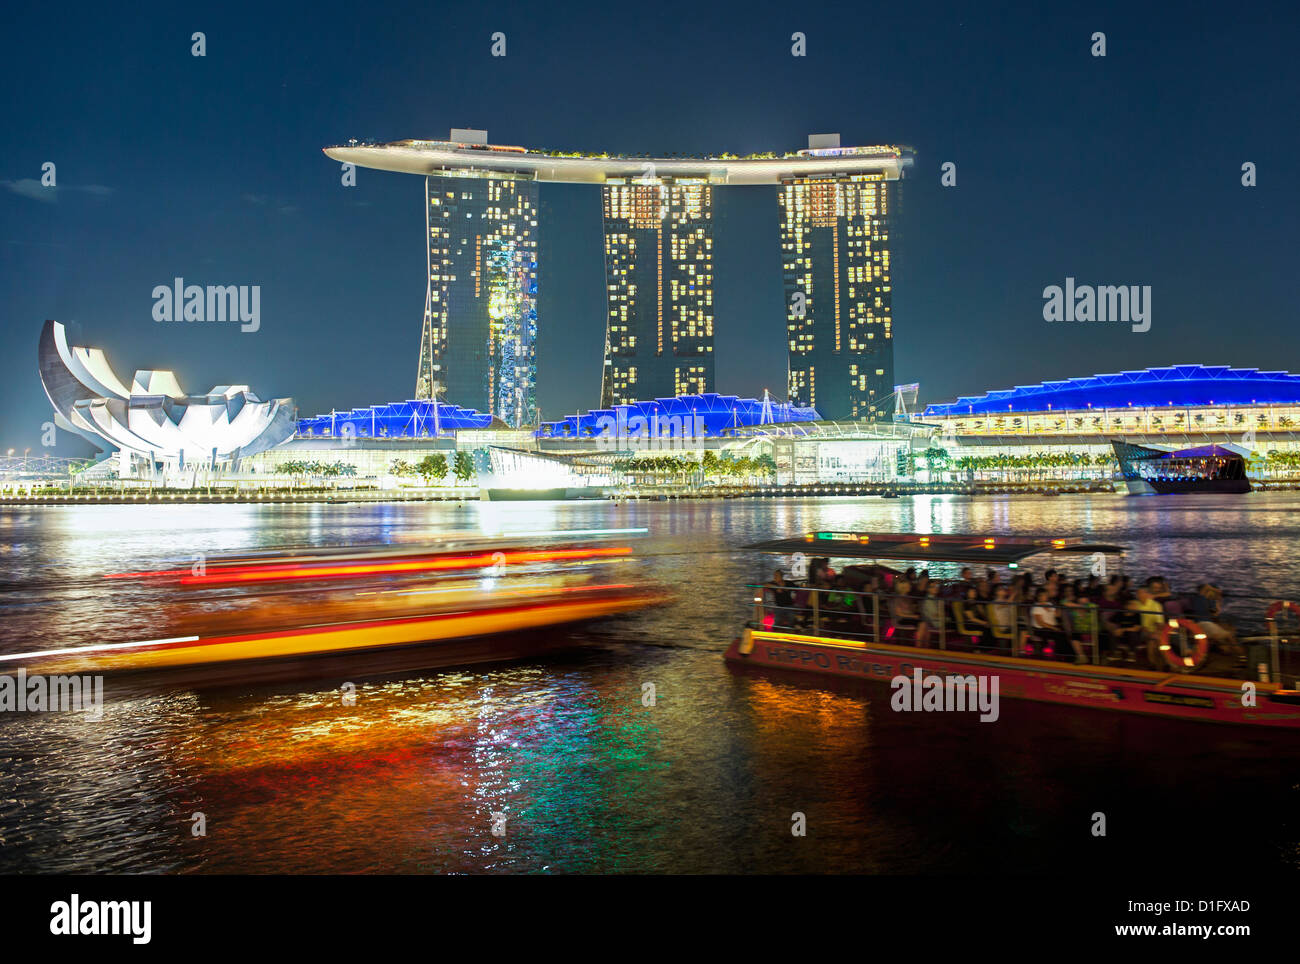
(676, 417)
(1182, 385)
(413, 419)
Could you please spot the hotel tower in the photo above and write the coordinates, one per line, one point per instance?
(477, 348)
(835, 254)
(659, 289)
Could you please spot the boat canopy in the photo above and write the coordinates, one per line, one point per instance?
(993, 550)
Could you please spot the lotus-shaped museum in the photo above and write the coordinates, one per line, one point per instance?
(154, 424)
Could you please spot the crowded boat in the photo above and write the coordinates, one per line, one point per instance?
(1111, 620)
(968, 611)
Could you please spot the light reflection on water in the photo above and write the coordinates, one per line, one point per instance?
(589, 779)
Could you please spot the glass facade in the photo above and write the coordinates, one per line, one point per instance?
(478, 345)
(659, 289)
(835, 255)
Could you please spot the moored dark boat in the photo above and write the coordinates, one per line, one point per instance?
(1207, 468)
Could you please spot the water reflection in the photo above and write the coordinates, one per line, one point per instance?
(588, 778)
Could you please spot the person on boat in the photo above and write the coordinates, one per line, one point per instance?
(1148, 618)
(973, 614)
(1045, 626)
(1052, 583)
(967, 579)
(903, 607)
(850, 601)
(1123, 626)
(1161, 593)
(1078, 613)
(921, 588)
(932, 615)
(1002, 613)
(840, 602)
(1153, 613)
(781, 595)
(1206, 608)
(828, 600)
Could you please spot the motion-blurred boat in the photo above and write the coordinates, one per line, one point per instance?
(245, 610)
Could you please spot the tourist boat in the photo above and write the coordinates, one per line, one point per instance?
(476, 602)
(1192, 685)
(1207, 468)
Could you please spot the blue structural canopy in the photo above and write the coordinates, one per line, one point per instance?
(706, 415)
(1181, 385)
(422, 418)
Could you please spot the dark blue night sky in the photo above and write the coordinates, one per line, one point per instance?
(1117, 170)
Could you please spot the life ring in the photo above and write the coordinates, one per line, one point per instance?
(1281, 604)
(1177, 661)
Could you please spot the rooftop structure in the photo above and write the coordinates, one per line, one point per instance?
(1177, 385)
(707, 415)
(579, 167)
(417, 418)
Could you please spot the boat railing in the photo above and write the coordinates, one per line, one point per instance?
(1081, 632)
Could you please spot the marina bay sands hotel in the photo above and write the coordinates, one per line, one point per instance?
(480, 317)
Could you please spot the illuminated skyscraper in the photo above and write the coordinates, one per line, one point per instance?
(480, 317)
(478, 346)
(835, 258)
(659, 289)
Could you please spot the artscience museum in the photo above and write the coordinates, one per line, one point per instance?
(154, 426)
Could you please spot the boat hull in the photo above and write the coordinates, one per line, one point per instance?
(1187, 697)
(1177, 486)
(445, 630)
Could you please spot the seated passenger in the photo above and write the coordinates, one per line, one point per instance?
(1153, 613)
(1206, 608)
(1045, 626)
(932, 615)
(850, 602)
(921, 588)
(973, 614)
(1150, 624)
(1161, 593)
(1118, 630)
(967, 579)
(902, 607)
(1002, 615)
(1078, 621)
(781, 596)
